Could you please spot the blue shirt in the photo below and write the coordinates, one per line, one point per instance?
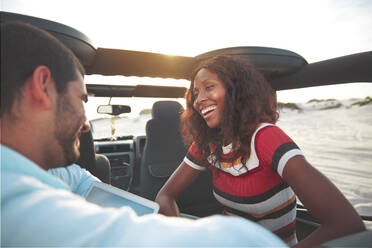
(78, 179)
(39, 209)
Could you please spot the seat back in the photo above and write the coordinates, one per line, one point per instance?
(97, 164)
(163, 152)
(164, 149)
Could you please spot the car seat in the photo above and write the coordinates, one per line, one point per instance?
(163, 152)
(97, 164)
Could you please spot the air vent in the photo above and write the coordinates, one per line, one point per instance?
(114, 148)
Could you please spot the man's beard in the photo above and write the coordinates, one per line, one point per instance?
(67, 125)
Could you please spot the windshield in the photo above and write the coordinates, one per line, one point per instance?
(124, 126)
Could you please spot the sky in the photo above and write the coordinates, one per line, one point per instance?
(317, 30)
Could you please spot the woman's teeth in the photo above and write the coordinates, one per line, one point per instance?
(204, 111)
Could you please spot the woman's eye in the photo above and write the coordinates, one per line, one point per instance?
(209, 86)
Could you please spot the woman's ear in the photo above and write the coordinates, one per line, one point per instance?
(42, 88)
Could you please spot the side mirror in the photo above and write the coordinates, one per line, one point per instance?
(113, 109)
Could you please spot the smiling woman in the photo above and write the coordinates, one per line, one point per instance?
(258, 171)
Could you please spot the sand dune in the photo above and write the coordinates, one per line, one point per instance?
(339, 143)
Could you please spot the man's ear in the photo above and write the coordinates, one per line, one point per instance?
(42, 86)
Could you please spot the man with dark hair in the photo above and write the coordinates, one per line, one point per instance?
(42, 117)
(41, 80)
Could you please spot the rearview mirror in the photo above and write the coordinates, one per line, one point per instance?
(113, 109)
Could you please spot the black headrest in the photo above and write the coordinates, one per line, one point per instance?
(164, 149)
(166, 110)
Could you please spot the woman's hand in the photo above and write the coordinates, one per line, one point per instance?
(176, 183)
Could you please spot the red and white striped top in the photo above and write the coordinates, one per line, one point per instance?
(257, 190)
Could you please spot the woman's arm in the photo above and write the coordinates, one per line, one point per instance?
(177, 182)
(324, 201)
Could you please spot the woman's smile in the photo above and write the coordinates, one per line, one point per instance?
(209, 92)
(206, 111)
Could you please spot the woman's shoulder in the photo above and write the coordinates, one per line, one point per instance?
(268, 129)
(193, 147)
(263, 125)
(269, 137)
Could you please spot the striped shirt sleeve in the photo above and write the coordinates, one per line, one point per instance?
(275, 148)
(193, 158)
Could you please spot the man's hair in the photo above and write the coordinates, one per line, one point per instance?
(25, 47)
(249, 100)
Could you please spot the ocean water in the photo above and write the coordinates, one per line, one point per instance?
(338, 142)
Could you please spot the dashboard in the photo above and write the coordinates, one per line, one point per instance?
(125, 160)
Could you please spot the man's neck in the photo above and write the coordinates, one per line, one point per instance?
(23, 139)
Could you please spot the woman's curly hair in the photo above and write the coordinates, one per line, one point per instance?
(249, 100)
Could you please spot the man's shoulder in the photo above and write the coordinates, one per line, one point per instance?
(73, 169)
(19, 185)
